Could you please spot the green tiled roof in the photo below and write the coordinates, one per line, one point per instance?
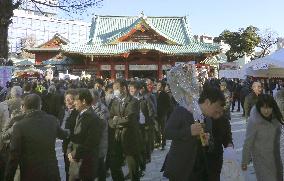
(194, 48)
(105, 29)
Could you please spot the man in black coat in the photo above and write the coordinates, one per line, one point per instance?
(52, 102)
(186, 159)
(68, 122)
(83, 150)
(251, 98)
(221, 132)
(146, 121)
(163, 108)
(124, 135)
(33, 144)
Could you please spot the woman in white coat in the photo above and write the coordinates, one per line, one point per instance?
(262, 143)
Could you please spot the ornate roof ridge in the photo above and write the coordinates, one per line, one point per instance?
(106, 29)
(138, 21)
(128, 47)
(137, 16)
(56, 35)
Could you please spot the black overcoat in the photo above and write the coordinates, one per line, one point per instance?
(33, 148)
(84, 144)
(126, 124)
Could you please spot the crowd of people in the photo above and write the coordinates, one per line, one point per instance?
(105, 125)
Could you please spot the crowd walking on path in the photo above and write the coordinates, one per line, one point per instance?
(107, 125)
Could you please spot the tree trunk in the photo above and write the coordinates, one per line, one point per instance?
(4, 41)
(6, 13)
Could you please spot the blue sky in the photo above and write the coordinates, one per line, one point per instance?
(209, 17)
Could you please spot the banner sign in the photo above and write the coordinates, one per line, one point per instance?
(5, 74)
(166, 67)
(105, 67)
(119, 67)
(229, 66)
(143, 67)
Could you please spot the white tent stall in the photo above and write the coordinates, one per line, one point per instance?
(271, 66)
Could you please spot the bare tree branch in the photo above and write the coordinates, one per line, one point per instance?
(268, 38)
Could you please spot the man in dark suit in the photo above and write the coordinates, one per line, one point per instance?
(252, 97)
(186, 159)
(124, 135)
(83, 150)
(221, 132)
(68, 122)
(99, 85)
(33, 144)
(52, 102)
(163, 108)
(146, 117)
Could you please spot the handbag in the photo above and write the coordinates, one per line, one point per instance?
(231, 169)
(74, 169)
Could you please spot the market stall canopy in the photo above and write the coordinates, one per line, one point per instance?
(268, 66)
(215, 60)
(25, 62)
(29, 72)
(270, 72)
(52, 62)
(64, 61)
(275, 59)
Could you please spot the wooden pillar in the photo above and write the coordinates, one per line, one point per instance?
(38, 59)
(112, 70)
(98, 69)
(160, 69)
(126, 69)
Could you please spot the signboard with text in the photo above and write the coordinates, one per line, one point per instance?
(229, 66)
(119, 67)
(5, 74)
(143, 67)
(105, 67)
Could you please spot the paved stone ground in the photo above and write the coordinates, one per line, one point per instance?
(153, 169)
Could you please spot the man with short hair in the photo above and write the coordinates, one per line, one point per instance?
(33, 144)
(124, 133)
(99, 85)
(279, 97)
(27, 88)
(103, 113)
(146, 116)
(83, 150)
(251, 99)
(163, 108)
(68, 122)
(186, 159)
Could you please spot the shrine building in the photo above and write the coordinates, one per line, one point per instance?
(135, 46)
(49, 49)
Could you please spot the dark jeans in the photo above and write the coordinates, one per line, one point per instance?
(116, 168)
(161, 136)
(66, 160)
(81, 179)
(116, 160)
(234, 103)
(215, 163)
(243, 106)
(3, 162)
(67, 163)
(102, 169)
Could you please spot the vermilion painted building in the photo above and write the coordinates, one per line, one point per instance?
(138, 46)
(49, 49)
